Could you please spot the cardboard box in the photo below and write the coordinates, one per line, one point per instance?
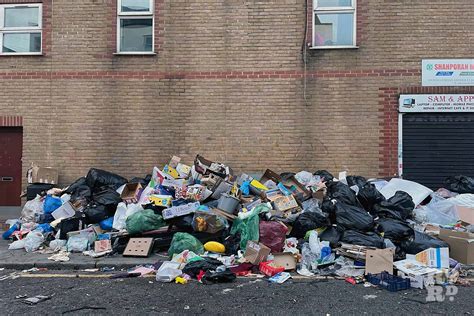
(181, 210)
(42, 175)
(379, 260)
(256, 252)
(131, 192)
(433, 257)
(161, 200)
(466, 214)
(285, 259)
(284, 203)
(420, 276)
(461, 245)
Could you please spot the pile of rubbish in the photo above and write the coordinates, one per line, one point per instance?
(216, 225)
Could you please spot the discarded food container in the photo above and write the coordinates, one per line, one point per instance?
(181, 210)
(64, 211)
(168, 271)
(269, 268)
(389, 282)
(228, 203)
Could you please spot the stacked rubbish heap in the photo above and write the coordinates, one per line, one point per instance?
(216, 225)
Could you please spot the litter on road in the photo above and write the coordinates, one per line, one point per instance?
(214, 225)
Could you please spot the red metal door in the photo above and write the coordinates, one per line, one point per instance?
(11, 145)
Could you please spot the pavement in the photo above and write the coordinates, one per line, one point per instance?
(22, 260)
(100, 295)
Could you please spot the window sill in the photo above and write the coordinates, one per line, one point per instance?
(333, 47)
(135, 54)
(21, 54)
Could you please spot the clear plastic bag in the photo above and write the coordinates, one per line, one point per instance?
(168, 271)
(120, 216)
(17, 244)
(442, 212)
(77, 243)
(31, 208)
(33, 241)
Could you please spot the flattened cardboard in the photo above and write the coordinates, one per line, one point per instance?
(379, 260)
(256, 252)
(466, 214)
(285, 259)
(284, 203)
(138, 247)
(461, 245)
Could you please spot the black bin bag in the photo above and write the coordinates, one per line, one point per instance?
(394, 229)
(308, 221)
(352, 217)
(421, 242)
(97, 178)
(460, 184)
(369, 196)
(333, 235)
(369, 239)
(400, 206)
(324, 175)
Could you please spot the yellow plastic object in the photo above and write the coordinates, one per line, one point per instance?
(180, 280)
(171, 171)
(214, 246)
(258, 185)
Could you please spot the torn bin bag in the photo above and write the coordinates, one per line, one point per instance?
(356, 180)
(342, 193)
(97, 178)
(369, 239)
(352, 217)
(324, 175)
(400, 206)
(272, 234)
(394, 229)
(421, 242)
(369, 196)
(308, 221)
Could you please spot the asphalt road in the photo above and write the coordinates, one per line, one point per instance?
(245, 296)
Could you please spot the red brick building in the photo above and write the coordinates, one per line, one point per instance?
(285, 84)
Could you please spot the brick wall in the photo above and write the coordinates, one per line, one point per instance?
(228, 81)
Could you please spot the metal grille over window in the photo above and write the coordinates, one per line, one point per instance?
(334, 23)
(135, 29)
(20, 29)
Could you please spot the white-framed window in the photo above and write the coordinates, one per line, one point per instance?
(135, 27)
(334, 23)
(20, 29)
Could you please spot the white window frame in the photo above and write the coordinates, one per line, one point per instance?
(136, 15)
(334, 10)
(23, 29)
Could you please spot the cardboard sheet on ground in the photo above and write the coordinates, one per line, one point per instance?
(417, 191)
(379, 260)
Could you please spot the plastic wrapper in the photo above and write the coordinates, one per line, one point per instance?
(97, 178)
(143, 221)
(421, 242)
(460, 184)
(33, 241)
(369, 196)
(369, 239)
(272, 234)
(168, 271)
(345, 268)
(185, 241)
(352, 217)
(308, 221)
(311, 205)
(394, 229)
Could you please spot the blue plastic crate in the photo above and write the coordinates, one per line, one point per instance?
(390, 282)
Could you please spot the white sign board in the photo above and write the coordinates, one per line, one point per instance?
(447, 72)
(412, 103)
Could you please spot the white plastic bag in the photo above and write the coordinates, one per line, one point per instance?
(17, 244)
(133, 208)
(168, 271)
(120, 217)
(33, 241)
(57, 244)
(438, 211)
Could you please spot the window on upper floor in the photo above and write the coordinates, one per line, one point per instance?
(334, 23)
(20, 29)
(135, 26)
